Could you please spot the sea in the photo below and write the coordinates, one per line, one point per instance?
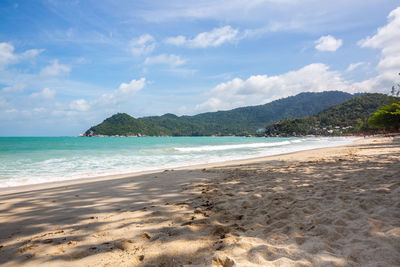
(33, 160)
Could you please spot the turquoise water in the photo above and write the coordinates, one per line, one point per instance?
(32, 160)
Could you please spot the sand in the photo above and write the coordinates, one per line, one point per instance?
(325, 207)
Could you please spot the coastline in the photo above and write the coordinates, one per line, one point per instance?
(27, 187)
(336, 206)
(36, 186)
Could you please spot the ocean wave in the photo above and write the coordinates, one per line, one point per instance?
(18, 170)
(228, 147)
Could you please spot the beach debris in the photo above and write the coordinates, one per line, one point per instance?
(146, 235)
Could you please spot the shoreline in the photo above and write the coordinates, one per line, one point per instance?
(51, 184)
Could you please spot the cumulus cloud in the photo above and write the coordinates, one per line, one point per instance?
(55, 69)
(213, 38)
(79, 105)
(328, 43)
(7, 55)
(259, 89)
(123, 94)
(132, 87)
(387, 39)
(171, 60)
(142, 45)
(46, 93)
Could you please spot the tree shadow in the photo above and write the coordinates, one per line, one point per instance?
(341, 210)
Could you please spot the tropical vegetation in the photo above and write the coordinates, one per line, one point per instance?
(349, 117)
(240, 121)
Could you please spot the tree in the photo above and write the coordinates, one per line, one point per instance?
(387, 117)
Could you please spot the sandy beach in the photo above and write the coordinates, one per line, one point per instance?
(325, 207)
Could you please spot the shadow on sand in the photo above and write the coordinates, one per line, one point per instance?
(339, 211)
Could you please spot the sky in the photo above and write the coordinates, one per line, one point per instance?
(67, 65)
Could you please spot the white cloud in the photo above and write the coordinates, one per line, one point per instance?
(132, 87)
(143, 45)
(312, 16)
(328, 43)
(19, 87)
(238, 10)
(213, 38)
(124, 93)
(178, 40)
(172, 60)
(46, 93)
(354, 66)
(31, 53)
(387, 39)
(79, 105)
(259, 89)
(7, 55)
(55, 69)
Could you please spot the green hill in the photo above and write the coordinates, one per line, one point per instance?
(239, 121)
(348, 117)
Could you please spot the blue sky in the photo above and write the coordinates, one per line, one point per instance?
(67, 65)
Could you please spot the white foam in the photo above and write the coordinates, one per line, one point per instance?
(229, 147)
(95, 164)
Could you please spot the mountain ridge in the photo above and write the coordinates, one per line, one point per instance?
(238, 121)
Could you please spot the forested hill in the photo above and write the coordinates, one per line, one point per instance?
(350, 116)
(239, 121)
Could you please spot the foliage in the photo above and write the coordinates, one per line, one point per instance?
(346, 118)
(239, 121)
(387, 117)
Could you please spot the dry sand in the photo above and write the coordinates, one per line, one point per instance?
(325, 207)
